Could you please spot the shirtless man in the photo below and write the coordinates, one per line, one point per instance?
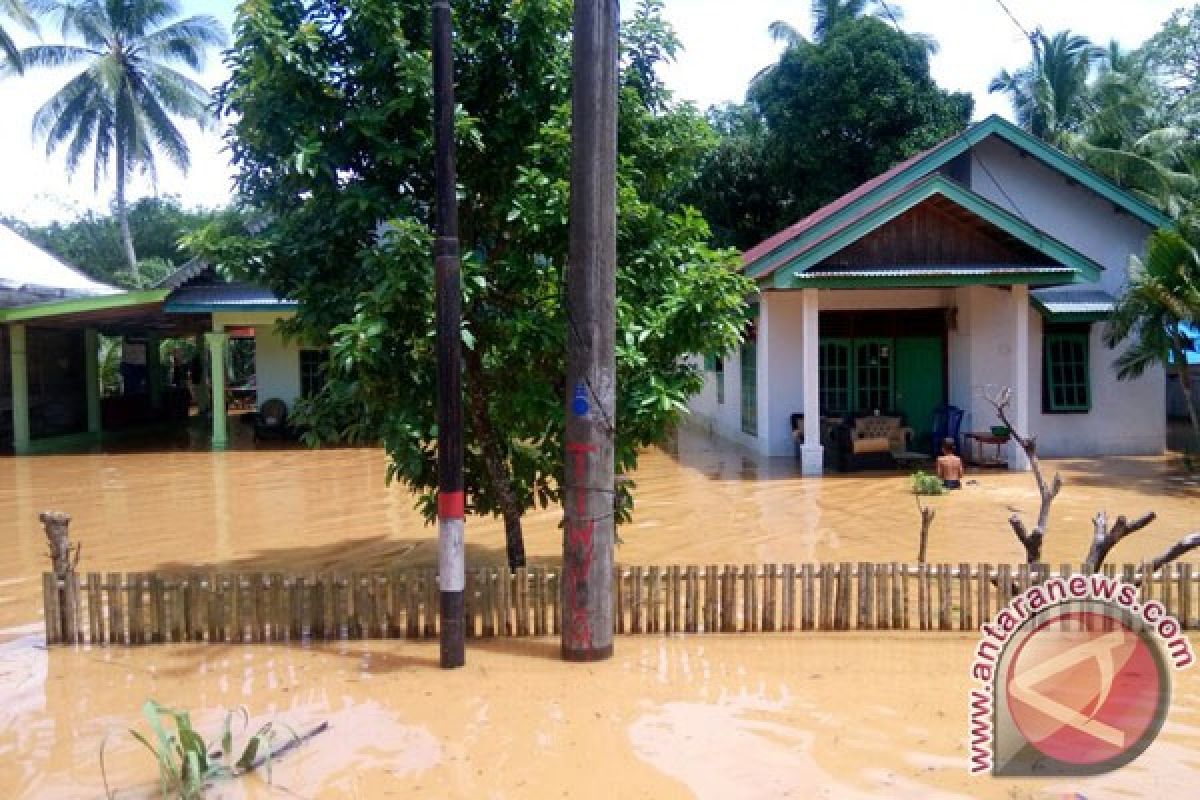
(950, 466)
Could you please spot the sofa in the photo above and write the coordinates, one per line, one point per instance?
(870, 440)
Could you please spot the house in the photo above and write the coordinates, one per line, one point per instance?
(30, 275)
(194, 302)
(989, 260)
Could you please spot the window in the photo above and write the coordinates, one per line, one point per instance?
(312, 372)
(1067, 384)
(856, 375)
(719, 369)
(749, 389)
(873, 375)
(834, 376)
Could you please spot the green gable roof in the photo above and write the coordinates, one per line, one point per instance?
(792, 272)
(771, 254)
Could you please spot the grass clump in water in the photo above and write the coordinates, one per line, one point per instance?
(187, 764)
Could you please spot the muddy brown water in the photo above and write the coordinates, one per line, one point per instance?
(829, 715)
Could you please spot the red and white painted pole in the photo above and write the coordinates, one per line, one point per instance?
(451, 502)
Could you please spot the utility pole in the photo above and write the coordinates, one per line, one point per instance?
(588, 497)
(451, 503)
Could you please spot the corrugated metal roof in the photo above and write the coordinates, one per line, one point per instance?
(184, 275)
(1074, 301)
(215, 297)
(922, 272)
(26, 267)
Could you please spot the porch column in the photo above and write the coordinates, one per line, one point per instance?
(91, 371)
(20, 387)
(154, 380)
(216, 361)
(811, 454)
(1020, 386)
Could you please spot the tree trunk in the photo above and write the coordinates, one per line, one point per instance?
(123, 214)
(1185, 386)
(493, 459)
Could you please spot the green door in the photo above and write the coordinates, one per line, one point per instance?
(920, 384)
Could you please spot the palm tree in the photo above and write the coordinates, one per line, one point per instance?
(1162, 299)
(121, 105)
(19, 12)
(1050, 94)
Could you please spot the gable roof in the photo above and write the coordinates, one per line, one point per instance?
(769, 255)
(860, 218)
(26, 267)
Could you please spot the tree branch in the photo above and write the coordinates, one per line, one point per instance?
(1177, 550)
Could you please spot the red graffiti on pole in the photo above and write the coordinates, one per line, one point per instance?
(580, 552)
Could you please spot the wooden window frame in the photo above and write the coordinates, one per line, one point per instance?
(1052, 370)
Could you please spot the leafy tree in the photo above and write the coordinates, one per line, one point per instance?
(1050, 94)
(1162, 299)
(92, 242)
(1174, 54)
(19, 12)
(121, 105)
(331, 125)
(827, 117)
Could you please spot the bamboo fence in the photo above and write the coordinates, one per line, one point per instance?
(145, 608)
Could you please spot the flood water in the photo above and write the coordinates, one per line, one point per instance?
(830, 715)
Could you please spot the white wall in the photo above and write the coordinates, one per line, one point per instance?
(276, 362)
(1125, 416)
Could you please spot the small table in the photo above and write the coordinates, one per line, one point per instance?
(975, 444)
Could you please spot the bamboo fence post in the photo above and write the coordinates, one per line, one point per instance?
(789, 597)
(555, 586)
(543, 620)
(489, 601)
(879, 578)
(635, 600)
(826, 598)
(864, 597)
(72, 605)
(923, 596)
(749, 597)
(965, 606)
(51, 607)
(712, 599)
(770, 596)
(945, 597)
(1003, 586)
(95, 610)
(808, 598)
(116, 609)
(655, 600)
(1185, 596)
(845, 593)
(899, 602)
(692, 593)
(674, 623)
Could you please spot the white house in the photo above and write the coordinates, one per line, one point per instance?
(989, 260)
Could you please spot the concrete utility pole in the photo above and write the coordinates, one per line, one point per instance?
(588, 499)
(451, 503)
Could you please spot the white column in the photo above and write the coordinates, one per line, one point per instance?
(1020, 385)
(19, 365)
(812, 454)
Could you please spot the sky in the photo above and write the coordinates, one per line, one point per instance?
(725, 45)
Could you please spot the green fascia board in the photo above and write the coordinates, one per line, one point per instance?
(1032, 276)
(218, 308)
(785, 277)
(83, 305)
(947, 152)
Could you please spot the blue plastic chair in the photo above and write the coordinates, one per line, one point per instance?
(947, 422)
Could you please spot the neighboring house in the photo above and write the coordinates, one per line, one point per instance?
(30, 275)
(986, 261)
(192, 302)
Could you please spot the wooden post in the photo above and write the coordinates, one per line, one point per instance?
(899, 598)
(591, 319)
(635, 600)
(693, 599)
(116, 616)
(655, 601)
(864, 596)
(965, 621)
(945, 597)
(50, 597)
(807, 614)
(95, 610)
(789, 597)
(826, 614)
